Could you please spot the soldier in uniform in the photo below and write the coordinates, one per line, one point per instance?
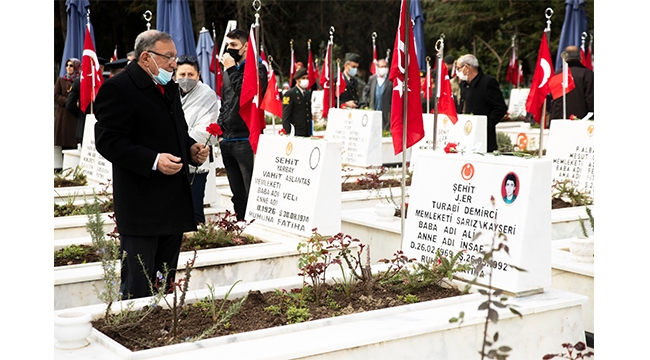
(350, 97)
(296, 106)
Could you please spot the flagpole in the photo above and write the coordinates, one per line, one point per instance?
(216, 63)
(427, 79)
(338, 82)
(549, 13)
(329, 64)
(270, 61)
(440, 48)
(407, 60)
(565, 81)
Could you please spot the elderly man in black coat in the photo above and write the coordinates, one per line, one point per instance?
(141, 130)
(480, 95)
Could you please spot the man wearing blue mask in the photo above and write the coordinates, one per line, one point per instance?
(350, 97)
(141, 130)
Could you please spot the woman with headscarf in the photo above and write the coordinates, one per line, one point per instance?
(65, 123)
(200, 108)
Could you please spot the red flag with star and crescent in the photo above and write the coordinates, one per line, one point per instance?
(414, 123)
(312, 71)
(325, 80)
(271, 101)
(373, 66)
(91, 76)
(249, 100)
(446, 104)
(539, 87)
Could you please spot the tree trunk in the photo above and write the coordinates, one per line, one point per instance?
(64, 19)
(199, 18)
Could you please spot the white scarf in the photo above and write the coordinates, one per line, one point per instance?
(200, 108)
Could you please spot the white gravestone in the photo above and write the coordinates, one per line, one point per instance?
(517, 103)
(359, 132)
(571, 148)
(296, 185)
(469, 134)
(97, 169)
(446, 211)
(524, 137)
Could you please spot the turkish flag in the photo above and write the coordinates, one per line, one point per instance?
(427, 85)
(585, 59)
(325, 80)
(446, 104)
(249, 100)
(512, 74)
(91, 76)
(340, 82)
(215, 68)
(414, 123)
(556, 84)
(271, 101)
(312, 73)
(373, 66)
(539, 88)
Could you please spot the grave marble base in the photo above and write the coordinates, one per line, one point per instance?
(415, 331)
(573, 276)
(388, 156)
(277, 257)
(71, 158)
(58, 157)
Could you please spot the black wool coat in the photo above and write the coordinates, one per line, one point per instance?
(482, 96)
(135, 122)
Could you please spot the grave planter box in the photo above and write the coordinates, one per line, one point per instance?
(573, 276)
(414, 331)
(79, 194)
(74, 285)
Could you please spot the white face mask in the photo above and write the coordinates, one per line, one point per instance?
(461, 75)
(382, 71)
(304, 83)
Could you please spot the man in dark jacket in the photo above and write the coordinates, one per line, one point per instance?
(480, 95)
(141, 130)
(378, 94)
(296, 106)
(236, 150)
(350, 97)
(580, 100)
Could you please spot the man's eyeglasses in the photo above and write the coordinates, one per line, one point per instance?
(187, 59)
(169, 58)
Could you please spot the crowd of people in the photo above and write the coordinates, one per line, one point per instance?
(152, 116)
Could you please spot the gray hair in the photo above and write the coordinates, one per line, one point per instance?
(148, 39)
(468, 59)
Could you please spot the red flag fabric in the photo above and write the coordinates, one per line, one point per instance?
(249, 100)
(271, 101)
(427, 85)
(114, 57)
(340, 82)
(555, 84)
(311, 72)
(539, 88)
(414, 123)
(373, 66)
(512, 74)
(446, 104)
(264, 62)
(215, 68)
(590, 59)
(91, 76)
(325, 80)
(585, 59)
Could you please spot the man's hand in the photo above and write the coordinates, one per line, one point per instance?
(169, 164)
(199, 153)
(227, 60)
(351, 104)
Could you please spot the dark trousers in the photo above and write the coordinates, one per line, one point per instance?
(238, 159)
(154, 252)
(198, 191)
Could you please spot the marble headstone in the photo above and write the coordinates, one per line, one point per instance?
(96, 167)
(571, 148)
(359, 132)
(517, 102)
(450, 203)
(296, 185)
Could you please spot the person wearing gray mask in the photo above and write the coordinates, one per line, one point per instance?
(200, 107)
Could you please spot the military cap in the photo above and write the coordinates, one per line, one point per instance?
(353, 57)
(300, 73)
